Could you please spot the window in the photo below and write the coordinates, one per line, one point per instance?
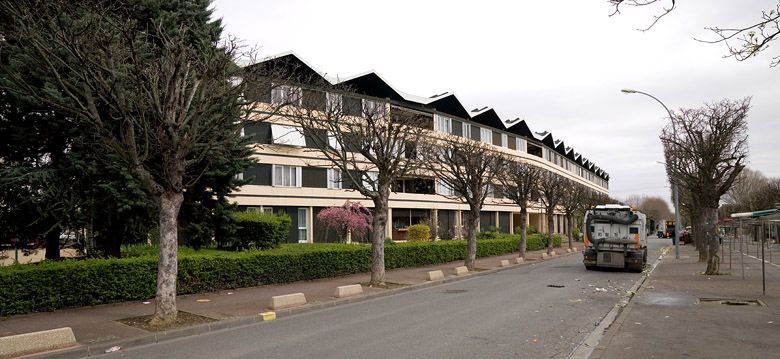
(370, 179)
(504, 140)
(466, 130)
(485, 135)
(288, 135)
(333, 141)
(287, 176)
(457, 128)
(334, 178)
(374, 109)
(351, 106)
(334, 103)
(546, 153)
(286, 95)
(303, 215)
(520, 145)
(535, 150)
(443, 123)
(444, 189)
(496, 138)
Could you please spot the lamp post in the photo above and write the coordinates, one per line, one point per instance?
(675, 188)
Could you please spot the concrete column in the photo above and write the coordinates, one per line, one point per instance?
(389, 225)
(458, 224)
(497, 222)
(310, 226)
(435, 224)
(511, 222)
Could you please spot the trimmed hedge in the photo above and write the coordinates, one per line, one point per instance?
(258, 230)
(53, 285)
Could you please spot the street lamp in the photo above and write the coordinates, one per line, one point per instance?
(675, 188)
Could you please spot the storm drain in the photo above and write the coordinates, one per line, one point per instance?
(732, 301)
(454, 291)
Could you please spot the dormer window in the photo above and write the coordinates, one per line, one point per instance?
(286, 95)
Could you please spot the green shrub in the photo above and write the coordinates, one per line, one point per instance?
(389, 242)
(489, 233)
(76, 283)
(259, 230)
(418, 233)
(530, 230)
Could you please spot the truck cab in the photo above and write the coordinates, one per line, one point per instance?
(615, 237)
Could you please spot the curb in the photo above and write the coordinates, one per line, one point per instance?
(84, 350)
(591, 342)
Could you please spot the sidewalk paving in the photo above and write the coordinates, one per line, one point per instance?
(666, 319)
(98, 326)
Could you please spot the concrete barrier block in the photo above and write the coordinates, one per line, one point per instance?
(519, 260)
(287, 301)
(267, 316)
(544, 256)
(462, 270)
(348, 290)
(568, 250)
(504, 263)
(435, 275)
(36, 342)
(552, 253)
(574, 249)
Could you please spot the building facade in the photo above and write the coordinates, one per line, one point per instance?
(292, 176)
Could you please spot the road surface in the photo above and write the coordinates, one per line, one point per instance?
(512, 313)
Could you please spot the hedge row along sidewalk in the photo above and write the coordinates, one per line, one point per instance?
(78, 283)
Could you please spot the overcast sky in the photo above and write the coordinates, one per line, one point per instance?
(558, 64)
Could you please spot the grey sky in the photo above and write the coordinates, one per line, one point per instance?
(558, 64)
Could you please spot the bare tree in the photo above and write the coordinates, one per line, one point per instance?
(551, 189)
(368, 140)
(154, 93)
(520, 182)
(750, 192)
(468, 169)
(743, 42)
(572, 199)
(706, 157)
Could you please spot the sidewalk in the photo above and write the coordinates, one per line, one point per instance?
(667, 319)
(97, 327)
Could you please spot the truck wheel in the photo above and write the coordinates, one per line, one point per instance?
(644, 256)
(590, 267)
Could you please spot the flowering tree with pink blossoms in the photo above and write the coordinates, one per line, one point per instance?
(351, 217)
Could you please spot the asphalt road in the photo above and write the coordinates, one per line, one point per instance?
(512, 313)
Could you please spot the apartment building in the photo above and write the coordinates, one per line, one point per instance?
(292, 176)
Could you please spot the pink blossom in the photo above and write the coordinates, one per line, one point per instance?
(351, 216)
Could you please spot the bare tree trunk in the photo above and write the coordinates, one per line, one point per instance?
(165, 311)
(550, 228)
(698, 230)
(710, 216)
(471, 233)
(569, 223)
(378, 242)
(523, 230)
(53, 243)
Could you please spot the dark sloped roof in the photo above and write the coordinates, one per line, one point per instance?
(521, 129)
(450, 105)
(289, 67)
(370, 84)
(561, 148)
(489, 118)
(547, 140)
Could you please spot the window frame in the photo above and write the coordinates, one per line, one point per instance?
(288, 171)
